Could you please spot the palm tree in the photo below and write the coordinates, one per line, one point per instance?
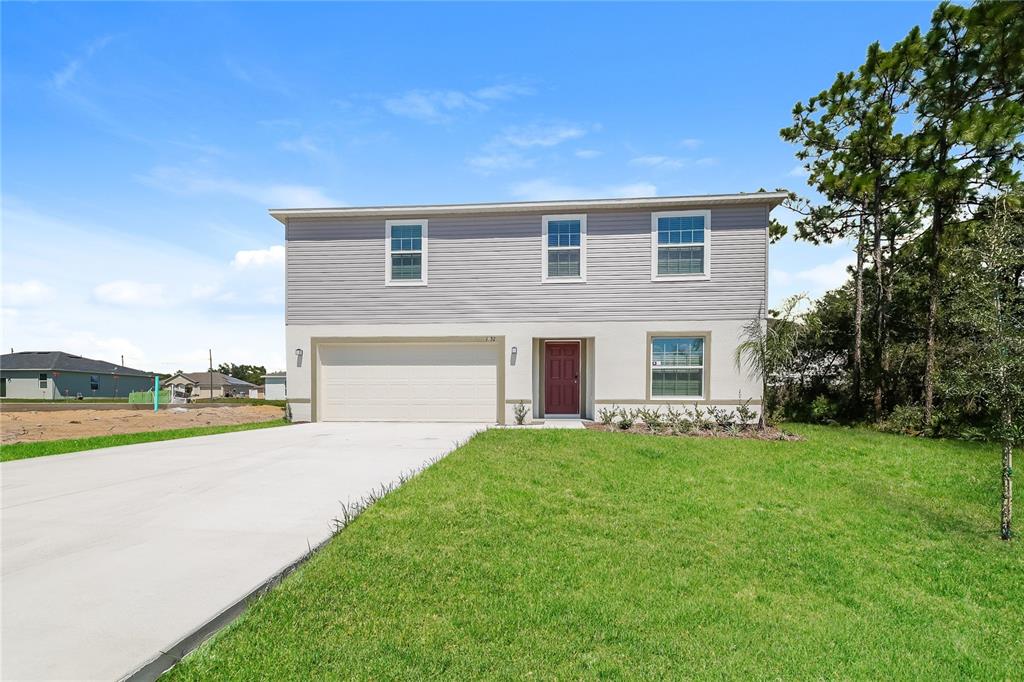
(768, 346)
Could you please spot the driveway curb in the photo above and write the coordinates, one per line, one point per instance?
(165, 660)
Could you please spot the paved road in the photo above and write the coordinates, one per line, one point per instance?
(111, 556)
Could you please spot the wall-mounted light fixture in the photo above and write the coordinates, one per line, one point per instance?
(512, 359)
(298, 357)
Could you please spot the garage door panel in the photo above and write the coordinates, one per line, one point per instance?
(408, 382)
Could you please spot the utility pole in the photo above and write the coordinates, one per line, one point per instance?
(122, 359)
(211, 374)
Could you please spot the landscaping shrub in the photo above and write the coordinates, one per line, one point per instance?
(651, 418)
(720, 417)
(824, 410)
(905, 419)
(626, 419)
(745, 415)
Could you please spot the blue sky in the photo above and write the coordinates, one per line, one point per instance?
(143, 143)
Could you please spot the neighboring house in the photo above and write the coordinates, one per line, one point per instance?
(198, 385)
(55, 374)
(274, 386)
(458, 312)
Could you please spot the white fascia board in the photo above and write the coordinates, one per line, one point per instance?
(576, 205)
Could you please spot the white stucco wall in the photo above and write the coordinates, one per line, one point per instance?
(618, 368)
(25, 384)
(274, 388)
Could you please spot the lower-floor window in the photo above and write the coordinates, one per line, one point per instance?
(42, 380)
(677, 367)
(94, 382)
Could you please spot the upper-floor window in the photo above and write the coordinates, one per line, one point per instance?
(680, 245)
(406, 247)
(564, 252)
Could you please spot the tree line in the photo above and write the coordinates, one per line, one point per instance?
(916, 157)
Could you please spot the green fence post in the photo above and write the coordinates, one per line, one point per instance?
(156, 395)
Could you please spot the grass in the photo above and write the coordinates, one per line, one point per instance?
(579, 554)
(15, 451)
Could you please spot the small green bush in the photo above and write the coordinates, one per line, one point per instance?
(721, 418)
(745, 415)
(651, 418)
(904, 419)
(701, 419)
(676, 420)
(824, 410)
(519, 412)
(626, 419)
(607, 415)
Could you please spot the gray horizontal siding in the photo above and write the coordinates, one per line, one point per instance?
(488, 268)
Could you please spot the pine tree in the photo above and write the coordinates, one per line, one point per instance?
(969, 121)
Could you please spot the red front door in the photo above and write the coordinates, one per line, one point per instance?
(562, 378)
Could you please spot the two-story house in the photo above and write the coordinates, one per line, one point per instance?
(458, 312)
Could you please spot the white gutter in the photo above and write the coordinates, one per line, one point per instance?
(771, 198)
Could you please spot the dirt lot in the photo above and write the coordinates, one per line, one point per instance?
(32, 426)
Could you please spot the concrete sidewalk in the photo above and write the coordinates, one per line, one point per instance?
(111, 556)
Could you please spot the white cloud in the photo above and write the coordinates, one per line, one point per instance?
(540, 136)
(488, 163)
(66, 75)
(588, 153)
(819, 278)
(272, 256)
(690, 142)
(275, 195)
(303, 144)
(109, 348)
(441, 106)
(163, 309)
(671, 163)
(543, 189)
(126, 292)
(504, 152)
(798, 172)
(432, 106)
(657, 162)
(506, 91)
(29, 292)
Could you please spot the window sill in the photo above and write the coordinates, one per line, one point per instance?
(677, 399)
(563, 280)
(411, 283)
(681, 278)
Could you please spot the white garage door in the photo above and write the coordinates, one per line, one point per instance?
(445, 381)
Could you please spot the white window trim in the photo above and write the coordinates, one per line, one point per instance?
(706, 275)
(387, 254)
(582, 217)
(703, 368)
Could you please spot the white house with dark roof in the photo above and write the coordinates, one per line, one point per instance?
(210, 385)
(50, 375)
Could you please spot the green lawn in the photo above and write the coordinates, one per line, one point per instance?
(59, 447)
(548, 554)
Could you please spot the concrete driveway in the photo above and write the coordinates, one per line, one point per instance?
(112, 556)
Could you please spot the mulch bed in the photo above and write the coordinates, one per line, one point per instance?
(748, 433)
